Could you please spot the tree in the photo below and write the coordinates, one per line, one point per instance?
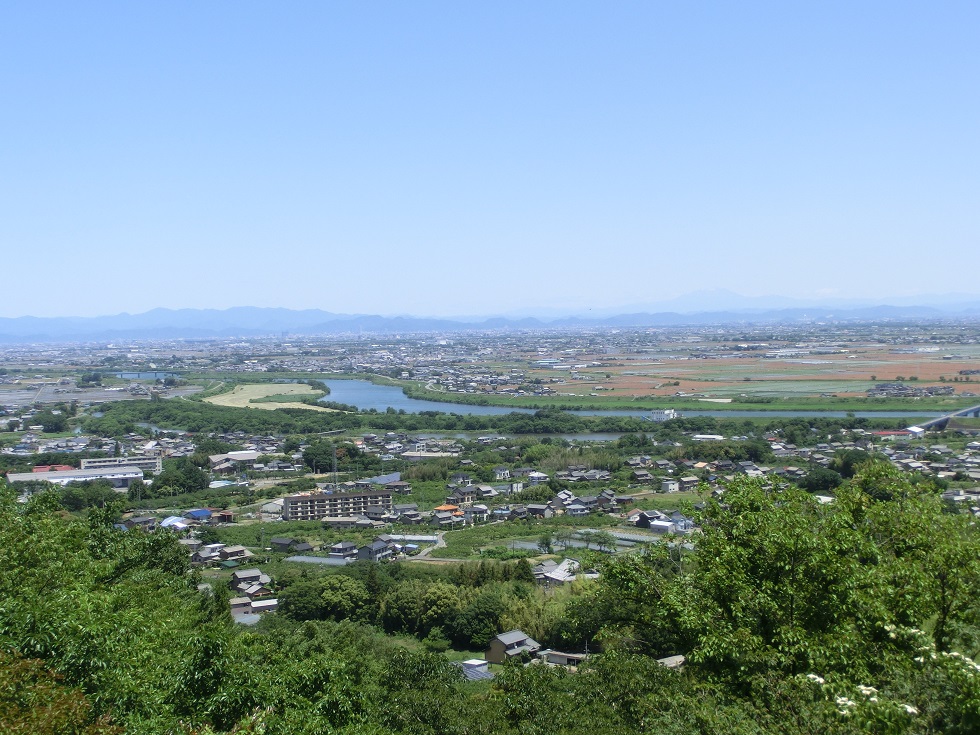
(77, 496)
(303, 600)
(477, 623)
(137, 491)
(343, 597)
(319, 456)
(522, 572)
(564, 536)
(35, 701)
(545, 542)
(820, 479)
(604, 541)
(783, 585)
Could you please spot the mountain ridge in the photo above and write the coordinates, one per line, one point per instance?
(248, 321)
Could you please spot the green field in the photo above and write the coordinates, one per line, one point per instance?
(943, 404)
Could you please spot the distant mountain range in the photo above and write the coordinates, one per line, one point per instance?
(249, 321)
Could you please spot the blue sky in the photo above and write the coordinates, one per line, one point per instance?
(446, 158)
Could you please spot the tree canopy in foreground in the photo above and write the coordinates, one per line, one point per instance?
(858, 616)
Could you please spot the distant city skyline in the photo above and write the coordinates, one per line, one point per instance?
(442, 159)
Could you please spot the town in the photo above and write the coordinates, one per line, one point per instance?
(257, 514)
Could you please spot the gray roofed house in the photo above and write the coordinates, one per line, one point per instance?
(375, 551)
(513, 643)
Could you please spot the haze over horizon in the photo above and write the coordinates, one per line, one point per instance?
(698, 302)
(444, 160)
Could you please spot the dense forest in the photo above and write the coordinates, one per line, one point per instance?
(857, 616)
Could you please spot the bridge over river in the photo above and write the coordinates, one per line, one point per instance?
(942, 422)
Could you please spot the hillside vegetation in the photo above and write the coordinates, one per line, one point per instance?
(859, 616)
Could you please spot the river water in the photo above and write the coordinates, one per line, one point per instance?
(366, 395)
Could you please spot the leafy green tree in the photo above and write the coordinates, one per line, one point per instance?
(784, 584)
(35, 701)
(522, 571)
(343, 597)
(847, 461)
(319, 456)
(303, 600)
(80, 495)
(604, 541)
(820, 480)
(478, 622)
(545, 543)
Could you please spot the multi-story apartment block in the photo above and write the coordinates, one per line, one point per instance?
(147, 464)
(313, 506)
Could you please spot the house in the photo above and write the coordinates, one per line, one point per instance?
(280, 543)
(234, 552)
(207, 553)
(557, 658)
(681, 522)
(540, 511)
(509, 645)
(501, 473)
(518, 512)
(485, 491)
(561, 573)
(410, 518)
(344, 550)
(145, 523)
(376, 513)
(688, 483)
(476, 513)
(248, 577)
(645, 518)
(174, 523)
(375, 551)
(191, 544)
(670, 486)
(462, 496)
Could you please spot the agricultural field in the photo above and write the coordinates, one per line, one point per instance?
(675, 373)
(269, 396)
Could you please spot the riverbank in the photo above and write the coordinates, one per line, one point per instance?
(941, 405)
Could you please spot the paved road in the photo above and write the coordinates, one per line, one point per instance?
(440, 544)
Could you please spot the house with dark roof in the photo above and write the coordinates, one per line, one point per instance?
(509, 645)
(375, 551)
(344, 550)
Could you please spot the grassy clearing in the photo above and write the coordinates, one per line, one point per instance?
(668, 501)
(466, 543)
(268, 396)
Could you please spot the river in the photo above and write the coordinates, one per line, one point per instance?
(366, 395)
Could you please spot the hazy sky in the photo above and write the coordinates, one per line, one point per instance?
(441, 158)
